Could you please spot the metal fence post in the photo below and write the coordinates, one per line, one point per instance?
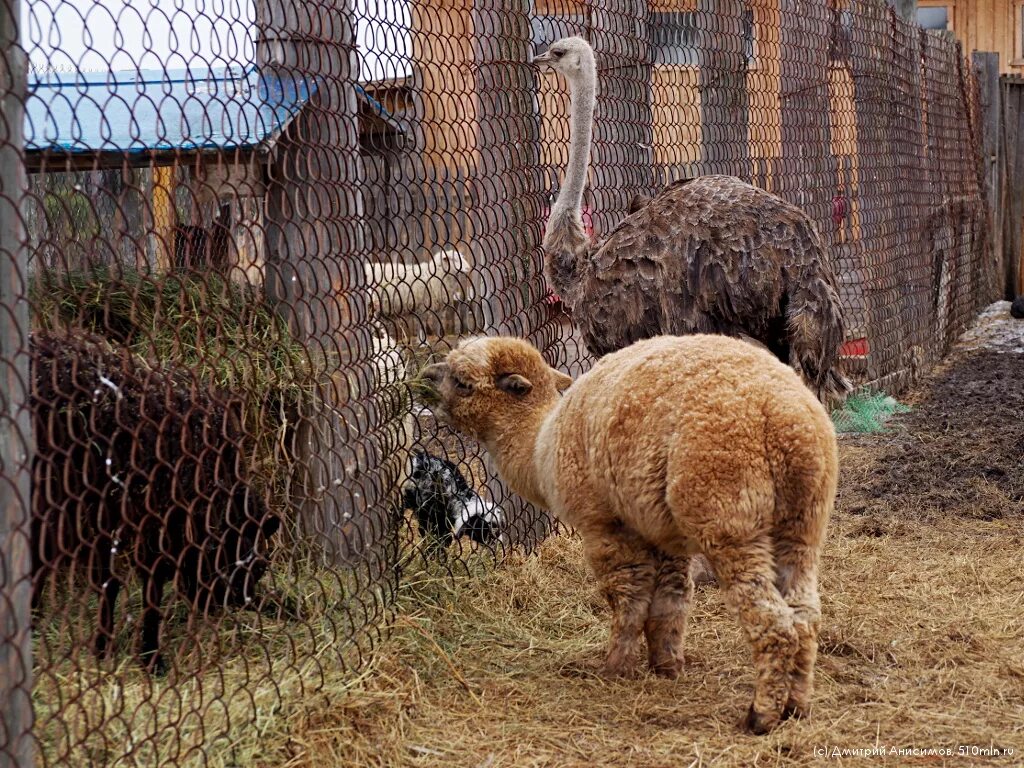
(15, 419)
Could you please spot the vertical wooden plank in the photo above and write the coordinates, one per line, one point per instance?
(447, 106)
(765, 84)
(986, 66)
(164, 215)
(806, 140)
(508, 192)
(622, 155)
(1013, 131)
(16, 445)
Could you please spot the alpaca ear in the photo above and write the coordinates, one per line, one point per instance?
(514, 384)
(562, 382)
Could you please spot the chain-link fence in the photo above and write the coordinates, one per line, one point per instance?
(232, 231)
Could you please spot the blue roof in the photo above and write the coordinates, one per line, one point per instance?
(154, 110)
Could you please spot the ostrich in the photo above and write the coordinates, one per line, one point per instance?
(708, 255)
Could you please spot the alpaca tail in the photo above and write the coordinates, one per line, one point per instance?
(816, 332)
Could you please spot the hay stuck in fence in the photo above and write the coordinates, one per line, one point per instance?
(219, 331)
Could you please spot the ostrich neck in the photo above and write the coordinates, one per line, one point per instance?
(582, 92)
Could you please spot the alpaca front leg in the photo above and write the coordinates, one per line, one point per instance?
(149, 647)
(109, 588)
(665, 628)
(625, 570)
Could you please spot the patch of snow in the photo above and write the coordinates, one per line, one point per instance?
(995, 330)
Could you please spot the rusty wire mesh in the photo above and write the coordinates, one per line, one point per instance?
(237, 229)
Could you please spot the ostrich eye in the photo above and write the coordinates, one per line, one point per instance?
(558, 53)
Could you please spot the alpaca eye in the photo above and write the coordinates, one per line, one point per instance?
(461, 387)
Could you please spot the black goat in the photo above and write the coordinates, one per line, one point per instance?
(142, 461)
(446, 508)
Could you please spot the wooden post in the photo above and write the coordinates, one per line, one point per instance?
(723, 88)
(314, 275)
(164, 215)
(986, 65)
(764, 116)
(1013, 139)
(806, 142)
(442, 36)
(16, 443)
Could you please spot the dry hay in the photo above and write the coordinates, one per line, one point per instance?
(922, 646)
(922, 641)
(924, 650)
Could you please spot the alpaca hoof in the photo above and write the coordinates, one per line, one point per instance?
(617, 671)
(154, 664)
(668, 669)
(102, 646)
(759, 723)
(793, 711)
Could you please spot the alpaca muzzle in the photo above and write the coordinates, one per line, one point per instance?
(426, 387)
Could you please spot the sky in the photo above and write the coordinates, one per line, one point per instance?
(117, 35)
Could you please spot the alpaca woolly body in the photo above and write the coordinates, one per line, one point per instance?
(670, 447)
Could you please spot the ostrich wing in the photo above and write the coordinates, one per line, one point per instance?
(711, 255)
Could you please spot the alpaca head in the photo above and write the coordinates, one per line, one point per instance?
(571, 56)
(487, 385)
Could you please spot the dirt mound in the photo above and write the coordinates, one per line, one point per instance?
(959, 451)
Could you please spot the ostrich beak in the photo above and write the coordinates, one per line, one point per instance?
(541, 59)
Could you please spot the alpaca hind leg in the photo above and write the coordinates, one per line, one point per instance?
(746, 572)
(665, 628)
(797, 580)
(625, 570)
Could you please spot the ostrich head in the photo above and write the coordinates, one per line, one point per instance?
(572, 57)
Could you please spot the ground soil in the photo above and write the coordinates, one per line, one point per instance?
(958, 452)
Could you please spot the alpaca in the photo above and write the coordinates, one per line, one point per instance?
(671, 447)
(446, 508)
(708, 255)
